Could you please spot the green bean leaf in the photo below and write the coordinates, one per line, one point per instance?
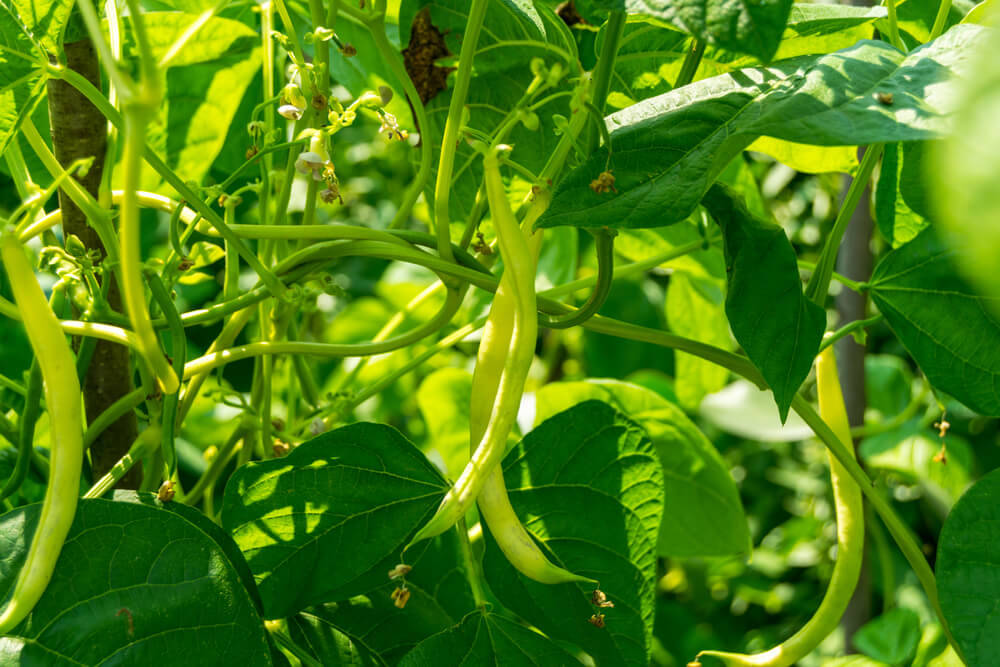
(668, 150)
(967, 567)
(205, 83)
(21, 83)
(329, 520)
(891, 638)
(736, 25)
(932, 310)
(165, 589)
(695, 476)
(373, 624)
(778, 327)
(488, 639)
(587, 484)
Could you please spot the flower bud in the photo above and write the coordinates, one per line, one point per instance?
(291, 94)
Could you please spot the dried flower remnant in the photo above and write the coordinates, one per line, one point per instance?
(605, 182)
(400, 571)
(400, 597)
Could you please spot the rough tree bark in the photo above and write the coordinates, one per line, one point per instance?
(79, 130)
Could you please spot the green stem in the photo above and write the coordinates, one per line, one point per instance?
(306, 381)
(142, 446)
(894, 37)
(742, 366)
(940, 20)
(26, 432)
(297, 48)
(905, 415)
(848, 329)
(285, 642)
(213, 360)
(886, 562)
(12, 385)
(8, 431)
(176, 182)
(123, 405)
(605, 68)
(98, 217)
(446, 163)
(604, 246)
(389, 328)
(843, 280)
(133, 294)
(473, 568)
(178, 349)
(897, 528)
(691, 61)
(819, 282)
(119, 81)
(19, 174)
(215, 466)
(265, 155)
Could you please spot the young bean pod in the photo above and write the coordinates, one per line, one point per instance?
(850, 537)
(520, 266)
(62, 397)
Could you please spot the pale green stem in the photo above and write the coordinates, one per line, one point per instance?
(446, 163)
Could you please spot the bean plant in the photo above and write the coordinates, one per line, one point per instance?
(440, 332)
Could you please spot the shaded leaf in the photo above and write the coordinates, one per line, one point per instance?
(897, 221)
(777, 326)
(891, 638)
(967, 567)
(587, 484)
(696, 478)
(695, 310)
(932, 311)
(164, 583)
(327, 644)
(372, 623)
(488, 639)
(205, 525)
(329, 520)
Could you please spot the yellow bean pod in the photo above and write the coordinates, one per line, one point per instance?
(494, 504)
(850, 537)
(520, 267)
(62, 397)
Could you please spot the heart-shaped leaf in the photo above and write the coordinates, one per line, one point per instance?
(329, 520)
(587, 484)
